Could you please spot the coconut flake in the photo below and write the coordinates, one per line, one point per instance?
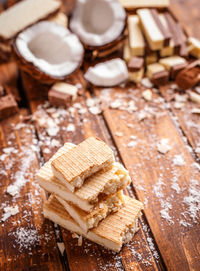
(178, 160)
(163, 146)
(147, 95)
(109, 73)
(146, 82)
(9, 211)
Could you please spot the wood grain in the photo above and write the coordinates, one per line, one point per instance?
(20, 165)
(156, 179)
(137, 254)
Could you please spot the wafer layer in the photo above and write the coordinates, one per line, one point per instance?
(86, 221)
(85, 197)
(90, 156)
(112, 232)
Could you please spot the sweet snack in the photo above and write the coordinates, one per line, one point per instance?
(79, 163)
(151, 58)
(24, 14)
(136, 69)
(105, 206)
(183, 47)
(157, 74)
(8, 106)
(126, 52)
(112, 232)
(174, 64)
(97, 186)
(134, 4)
(194, 47)
(62, 94)
(190, 76)
(136, 39)
(157, 35)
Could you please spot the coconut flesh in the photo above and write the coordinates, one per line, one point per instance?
(107, 74)
(51, 48)
(98, 22)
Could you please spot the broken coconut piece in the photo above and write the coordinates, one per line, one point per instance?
(107, 74)
(80, 162)
(112, 232)
(62, 94)
(98, 22)
(48, 51)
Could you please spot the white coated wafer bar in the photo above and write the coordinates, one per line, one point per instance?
(133, 4)
(156, 35)
(168, 50)
(23, 14)
(194, 47)
(136, 38)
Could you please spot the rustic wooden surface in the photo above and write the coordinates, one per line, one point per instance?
(169, 237)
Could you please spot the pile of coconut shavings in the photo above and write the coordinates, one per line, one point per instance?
(26, 238)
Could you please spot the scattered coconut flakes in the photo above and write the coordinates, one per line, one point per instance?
(142, 115)
(53, 131)
(178, 105)
(26, 238)
(70, 128)
(163, 146)
(75, 235)
(80, 241)
(132, 144)
(95, 110)
(116, 104)
(194, 97)
(181, 98)
(61, 247)
(119, 134)
(178, 160)
(146, 82)
(195, 111)
(197, 150)
(147, 95)
(9, 211)
(55, 143)
(46, 150)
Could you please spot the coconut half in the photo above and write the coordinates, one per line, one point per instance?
(48, 51)
(98, 22)
(107, 74)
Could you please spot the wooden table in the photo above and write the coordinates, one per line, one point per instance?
(168, 185)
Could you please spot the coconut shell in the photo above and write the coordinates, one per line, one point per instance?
(35, 72)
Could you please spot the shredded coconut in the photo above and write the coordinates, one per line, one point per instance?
(163, 146)
(9, 211)
(178, 160)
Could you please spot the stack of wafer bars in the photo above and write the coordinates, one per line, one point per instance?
(86, 186)
(157, 46)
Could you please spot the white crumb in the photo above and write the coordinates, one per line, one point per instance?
(146, 82)
(119, 134)
(163, 146)
(95, 110)
(132, 144)
(178, 105)
(9, 211)
(147, 95)
(194, 97)
(46, 150)
(178, 160)
(195, 111)
(61, 247)
(80, 241)
(70, 128)
(181, 98)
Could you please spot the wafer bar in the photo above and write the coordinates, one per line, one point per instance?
(135, 4)
(194, 47)
(23, 14)
(157, 74)
(126, 51)
(151, 58)
(136, 39)
(86, 221)
(157, 36)
(62, 94)
(101, 183)
(84, 160)
(8, 106)
(174, 64)
(183, 48)
(112, 232)
(172, 26)
(168, 50)
(136, 69)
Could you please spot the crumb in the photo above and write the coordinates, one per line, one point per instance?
(147, 95)
(163, 146)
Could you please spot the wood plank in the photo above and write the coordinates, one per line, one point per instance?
(27, 240)
(165, 187)
(185, 119)
(137, 254)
